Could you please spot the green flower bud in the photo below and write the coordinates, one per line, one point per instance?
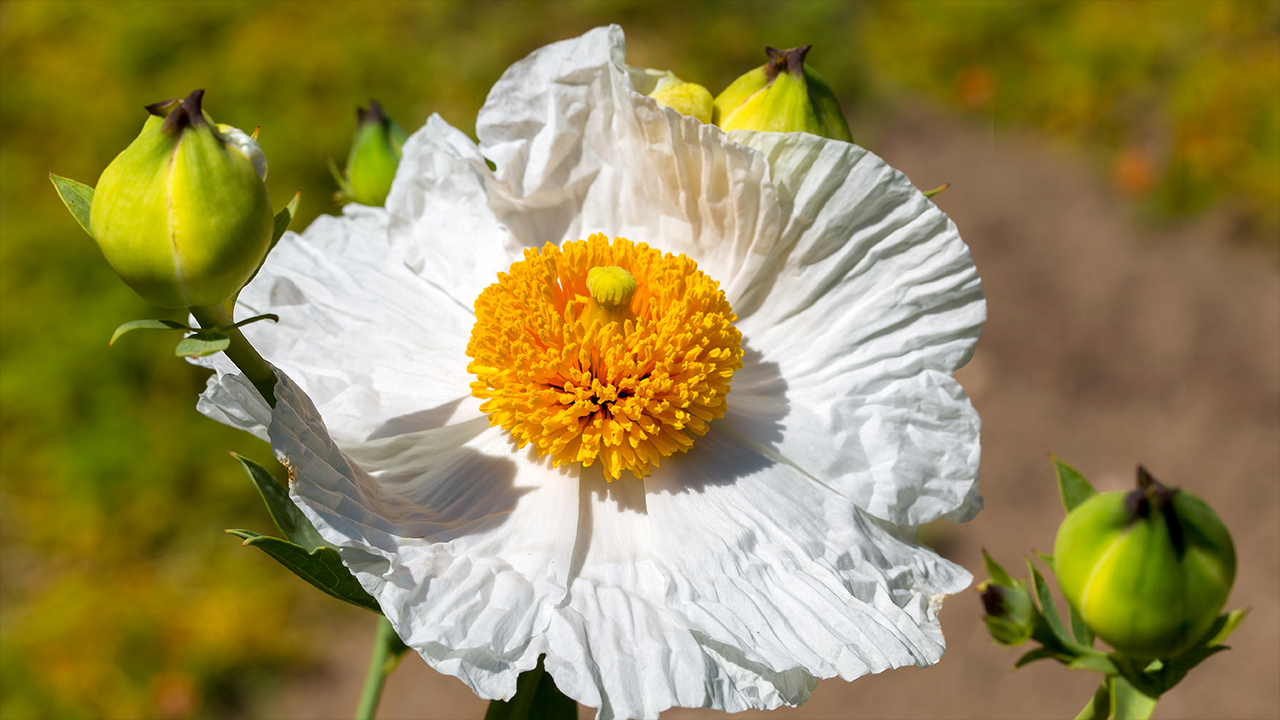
(670, 91)
(1148, 570)
(1009, 612)
(182, 215)
(375, 155)
(783, 95)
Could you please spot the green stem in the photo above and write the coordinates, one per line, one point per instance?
(387, 651)
(1099, 707)
(240, 351)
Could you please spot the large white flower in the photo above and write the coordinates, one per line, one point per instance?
(778, 549)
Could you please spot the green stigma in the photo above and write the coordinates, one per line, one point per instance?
(611, 286)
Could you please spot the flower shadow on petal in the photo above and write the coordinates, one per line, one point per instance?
(435, 483)
(428, 419)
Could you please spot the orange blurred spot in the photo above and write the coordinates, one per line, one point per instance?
(976, 87)
(1132, 173)
(174, 695)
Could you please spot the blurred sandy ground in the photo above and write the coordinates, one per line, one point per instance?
(1110, 341)
(1108, 345)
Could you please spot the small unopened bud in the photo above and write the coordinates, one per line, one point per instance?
(375, 155)
(1009, 612)
(783, 95)
(1148, 570)
(670, 91)
(182, 215)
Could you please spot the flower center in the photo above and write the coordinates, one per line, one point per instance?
(600, 350)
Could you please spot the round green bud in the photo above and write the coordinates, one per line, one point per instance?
(1148, 570)
(783, 95)
(183, 215)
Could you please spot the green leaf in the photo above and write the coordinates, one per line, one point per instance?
(1048, 610)
(536, 698)
(997, 573)
(1226, 625)
(283, 219)
(1072, 486)
(78, 198)
(201, 343)
(1129, 703)
(146, 325)
(1176, 668)
(1047, 559)
(1081, 632)
(322, 567)
(1099, 707)
(286, 515)
(935, 191)
(344, 187)
(1040, 653)
(1095, 661)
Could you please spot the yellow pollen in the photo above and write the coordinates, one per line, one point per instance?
(608, 351)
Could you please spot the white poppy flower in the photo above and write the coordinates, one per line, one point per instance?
(775, 549)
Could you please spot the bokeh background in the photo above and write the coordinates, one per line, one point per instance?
(1115, 168)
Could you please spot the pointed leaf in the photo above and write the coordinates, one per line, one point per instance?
(994, 569)
(1175, 669)
(291, 521)
(344, 187)
(78, 198)
(145, 325)
(935, 191)
(1095, 661)
(1033, 655)
(283, 218)
(1099, 707)
(1047, 608)
(1129, 703)
(1081, 632)
(1226, 625)
(1072, 486)
(1047, 559)
(321, 567)
(202, 343)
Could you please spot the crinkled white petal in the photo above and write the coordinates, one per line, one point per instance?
(725, 579)
(737, 573)
(379, 350)
(875, 303)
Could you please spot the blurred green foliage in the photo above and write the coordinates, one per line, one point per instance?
(121, 597)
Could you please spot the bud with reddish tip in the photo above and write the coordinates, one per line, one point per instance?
(375, 155)
(783, 95)
(1148, 570)
(182, 215)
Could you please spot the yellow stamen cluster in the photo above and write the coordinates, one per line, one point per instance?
(625, 382)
